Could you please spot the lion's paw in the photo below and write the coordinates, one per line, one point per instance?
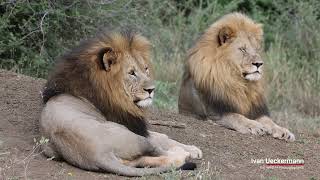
(195, 152)
(253, 127)
(283, 133)
(178, 156)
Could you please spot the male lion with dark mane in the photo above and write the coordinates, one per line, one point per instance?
(223, 78)
(94, 110)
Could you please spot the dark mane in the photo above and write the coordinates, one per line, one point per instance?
(221, 106)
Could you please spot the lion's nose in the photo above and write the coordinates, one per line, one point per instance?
(258, 64)
(149, 90)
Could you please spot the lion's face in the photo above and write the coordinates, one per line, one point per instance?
(246, 56)
(130, 65)
(138, 82)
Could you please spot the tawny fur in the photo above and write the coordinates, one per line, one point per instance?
(218, 75)
(81, 74)
(93, 113)
(213, 83)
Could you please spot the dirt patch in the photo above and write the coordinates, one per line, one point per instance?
(227, 154)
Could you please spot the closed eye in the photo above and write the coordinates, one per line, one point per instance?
(243, 49)
(132, 73)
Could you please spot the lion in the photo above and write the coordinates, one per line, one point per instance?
(94, 114)
(223, 78)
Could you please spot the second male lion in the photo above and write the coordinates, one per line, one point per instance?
(95, 100)
(223, 75)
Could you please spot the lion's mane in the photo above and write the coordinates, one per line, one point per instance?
(218, 79)
(81, 73)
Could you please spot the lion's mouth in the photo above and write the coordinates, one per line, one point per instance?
(144, 103)
(252, 76)
(248, 73)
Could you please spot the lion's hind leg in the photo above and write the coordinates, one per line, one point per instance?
(163, 141)
(145, 165)
(175, 157)
(90, 155)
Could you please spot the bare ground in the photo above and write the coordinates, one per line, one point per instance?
(227, 154)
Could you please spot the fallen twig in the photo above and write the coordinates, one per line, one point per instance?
(169, 124)
(4, 153)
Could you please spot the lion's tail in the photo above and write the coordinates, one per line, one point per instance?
(112, 165)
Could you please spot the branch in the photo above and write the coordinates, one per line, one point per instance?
(42, 31)
(169, 124)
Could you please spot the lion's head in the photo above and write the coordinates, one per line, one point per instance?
(113, 72)
(240, 42)
(127, 59)
(226, 64)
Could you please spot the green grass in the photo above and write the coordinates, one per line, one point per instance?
(34, 33)
(166, 95)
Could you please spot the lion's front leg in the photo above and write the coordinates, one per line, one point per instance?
(164, 142)
(242, 124)
(275, 130)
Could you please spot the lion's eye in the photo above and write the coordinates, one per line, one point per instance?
(132, 73)
(243, 49)
(147, 70)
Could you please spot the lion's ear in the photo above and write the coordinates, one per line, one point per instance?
(109, 58)
(225, 35)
